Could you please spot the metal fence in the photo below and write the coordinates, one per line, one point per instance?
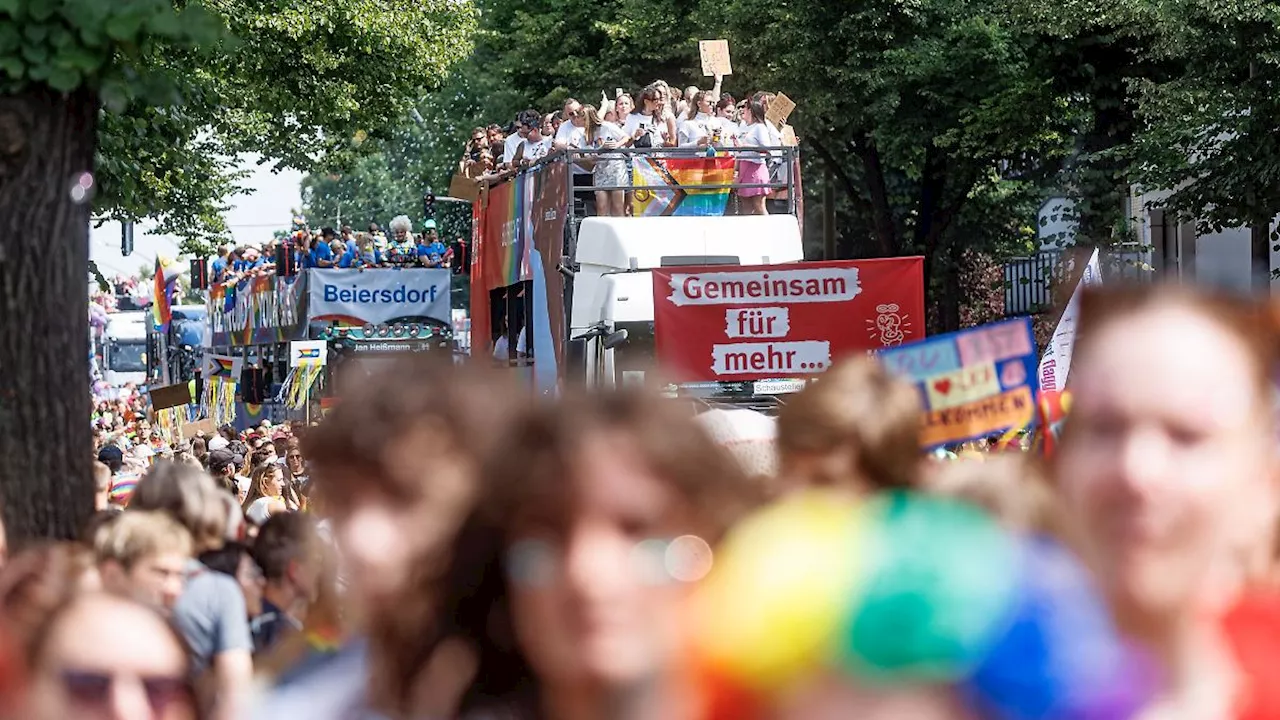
(1029, 281)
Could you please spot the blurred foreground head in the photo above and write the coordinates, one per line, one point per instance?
(857, 428)
(104, 657)
(394, 464)
(1168, 459)
(595, 520)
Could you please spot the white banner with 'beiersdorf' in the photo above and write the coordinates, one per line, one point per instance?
(361, 297)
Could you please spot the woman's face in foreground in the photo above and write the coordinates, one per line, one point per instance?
(110, 659)
(598, 597)
(1167, 459)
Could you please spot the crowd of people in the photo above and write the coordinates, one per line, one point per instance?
(329, 248)
(443, 545)
(695, 119)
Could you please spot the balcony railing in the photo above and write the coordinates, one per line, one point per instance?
(1029, 281)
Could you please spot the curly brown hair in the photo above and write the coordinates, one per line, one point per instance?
(535, 471)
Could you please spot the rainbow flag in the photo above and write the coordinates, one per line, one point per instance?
(166, 276)
(222, 367)
(673, 186)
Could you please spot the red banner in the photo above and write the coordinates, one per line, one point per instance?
(782, 321)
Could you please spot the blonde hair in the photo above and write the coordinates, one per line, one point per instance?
(136, 535)
(189, 496)
(1007, 486)
(856, 406)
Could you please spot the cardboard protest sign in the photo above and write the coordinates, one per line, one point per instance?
(782, 321)
(205, 426)
(464, 188)
(169, 396)
(780, 109)
(715, 57)
(973, 383)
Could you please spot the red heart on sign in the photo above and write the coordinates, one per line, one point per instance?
(942, 386)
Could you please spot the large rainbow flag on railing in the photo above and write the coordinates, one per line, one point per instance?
(671, 186)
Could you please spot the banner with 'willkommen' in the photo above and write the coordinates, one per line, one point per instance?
(974, 383)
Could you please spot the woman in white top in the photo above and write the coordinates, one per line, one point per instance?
(610, 168)
(753, 171)
(652, 119)
(701, 127)
(267, 494)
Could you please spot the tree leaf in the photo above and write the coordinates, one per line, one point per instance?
(165, 23)
(12, 66)
(10, 38)
(124, 27)
(86, 60)
(37, 55)
(114, 96)
(41, 11)
(64, 79)
(35, 32)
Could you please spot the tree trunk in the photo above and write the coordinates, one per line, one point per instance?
(886, 231)
(47, 142)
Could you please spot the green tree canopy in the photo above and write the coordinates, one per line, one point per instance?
(147, 102)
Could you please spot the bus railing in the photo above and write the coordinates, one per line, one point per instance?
(783, 162)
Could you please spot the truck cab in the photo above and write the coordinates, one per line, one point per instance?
(126, 348)
(612, 289)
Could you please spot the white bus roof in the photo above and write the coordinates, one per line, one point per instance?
(752, 239)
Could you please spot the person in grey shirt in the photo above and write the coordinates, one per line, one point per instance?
(211, 616)
(211, 612)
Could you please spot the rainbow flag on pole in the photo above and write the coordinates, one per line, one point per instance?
(165, 280)
(675, 186)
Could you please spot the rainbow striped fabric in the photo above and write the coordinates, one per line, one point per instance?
(221, 366)
(672, 186)
(122, 487)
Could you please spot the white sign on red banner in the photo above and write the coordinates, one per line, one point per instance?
(782, 321)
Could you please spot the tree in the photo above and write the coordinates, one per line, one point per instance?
(1097, 52)
(916, 111)
(184, 85)
(1210, 132)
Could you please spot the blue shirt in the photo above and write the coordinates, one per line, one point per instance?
(433, 252)
(218, 268)
(355, 258)
(320, 252)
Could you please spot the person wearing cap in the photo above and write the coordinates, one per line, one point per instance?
(431, 252)
(223, 465)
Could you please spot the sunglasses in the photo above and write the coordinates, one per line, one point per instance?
(94, 689)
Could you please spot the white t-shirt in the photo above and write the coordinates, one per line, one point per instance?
(703, 125)
(657, 129)
(509, 147)
(259, 510)
(534, 151)
(755, 135)
(609, 131)
(574, 137)
(691, 131)
(502, 348)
